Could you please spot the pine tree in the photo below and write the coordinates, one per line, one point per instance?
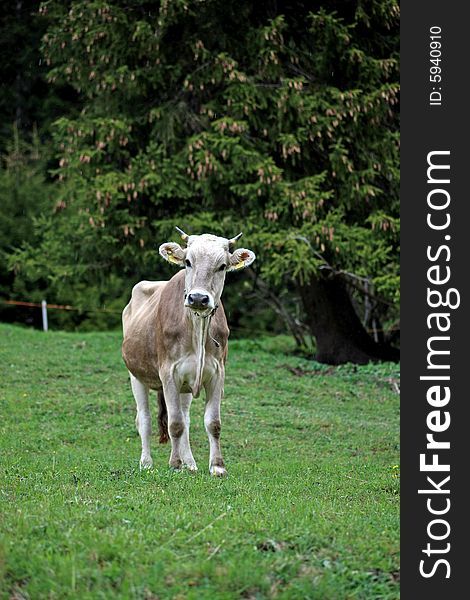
(277, 119)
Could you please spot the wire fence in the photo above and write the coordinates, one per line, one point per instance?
(44, 306)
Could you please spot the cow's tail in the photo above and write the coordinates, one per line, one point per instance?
(162, 418)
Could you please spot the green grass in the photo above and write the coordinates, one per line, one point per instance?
(310, 508)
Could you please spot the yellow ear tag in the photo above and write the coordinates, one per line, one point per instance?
(240, 265)
(172, 259)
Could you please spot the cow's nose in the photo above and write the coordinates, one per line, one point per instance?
(197, 300)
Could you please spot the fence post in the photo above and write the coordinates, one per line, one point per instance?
(44, 315)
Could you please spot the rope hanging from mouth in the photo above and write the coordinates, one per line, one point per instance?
(210, 315)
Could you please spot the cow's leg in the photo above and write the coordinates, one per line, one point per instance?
(185, 447)
(214, 393)
(143, 420)
(176, 422)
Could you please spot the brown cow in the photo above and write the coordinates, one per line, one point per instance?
(175, 342)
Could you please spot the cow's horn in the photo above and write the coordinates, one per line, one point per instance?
(233, 240)
(184, 236)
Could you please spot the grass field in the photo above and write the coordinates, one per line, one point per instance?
(310, 508)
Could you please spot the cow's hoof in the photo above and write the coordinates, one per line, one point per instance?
(184, 467)
(218, 471)
(176, 464)
(146, 463)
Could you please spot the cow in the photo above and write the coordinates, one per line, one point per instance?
(175, 342)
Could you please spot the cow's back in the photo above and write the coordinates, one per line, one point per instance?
(139, 347)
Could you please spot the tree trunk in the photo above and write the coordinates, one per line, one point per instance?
(336, 327)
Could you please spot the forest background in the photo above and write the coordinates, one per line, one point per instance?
(122, 119)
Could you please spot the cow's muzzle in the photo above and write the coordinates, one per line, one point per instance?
(199, 301)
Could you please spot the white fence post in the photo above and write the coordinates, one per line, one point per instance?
(44, 315)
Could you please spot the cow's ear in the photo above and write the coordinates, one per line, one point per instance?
(173, 253)
(240, 259)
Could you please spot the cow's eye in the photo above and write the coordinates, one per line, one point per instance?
(187, 262)
(222, 267)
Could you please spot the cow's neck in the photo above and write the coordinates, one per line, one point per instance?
(200, 330)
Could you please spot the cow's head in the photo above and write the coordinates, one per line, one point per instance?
(206, 259)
